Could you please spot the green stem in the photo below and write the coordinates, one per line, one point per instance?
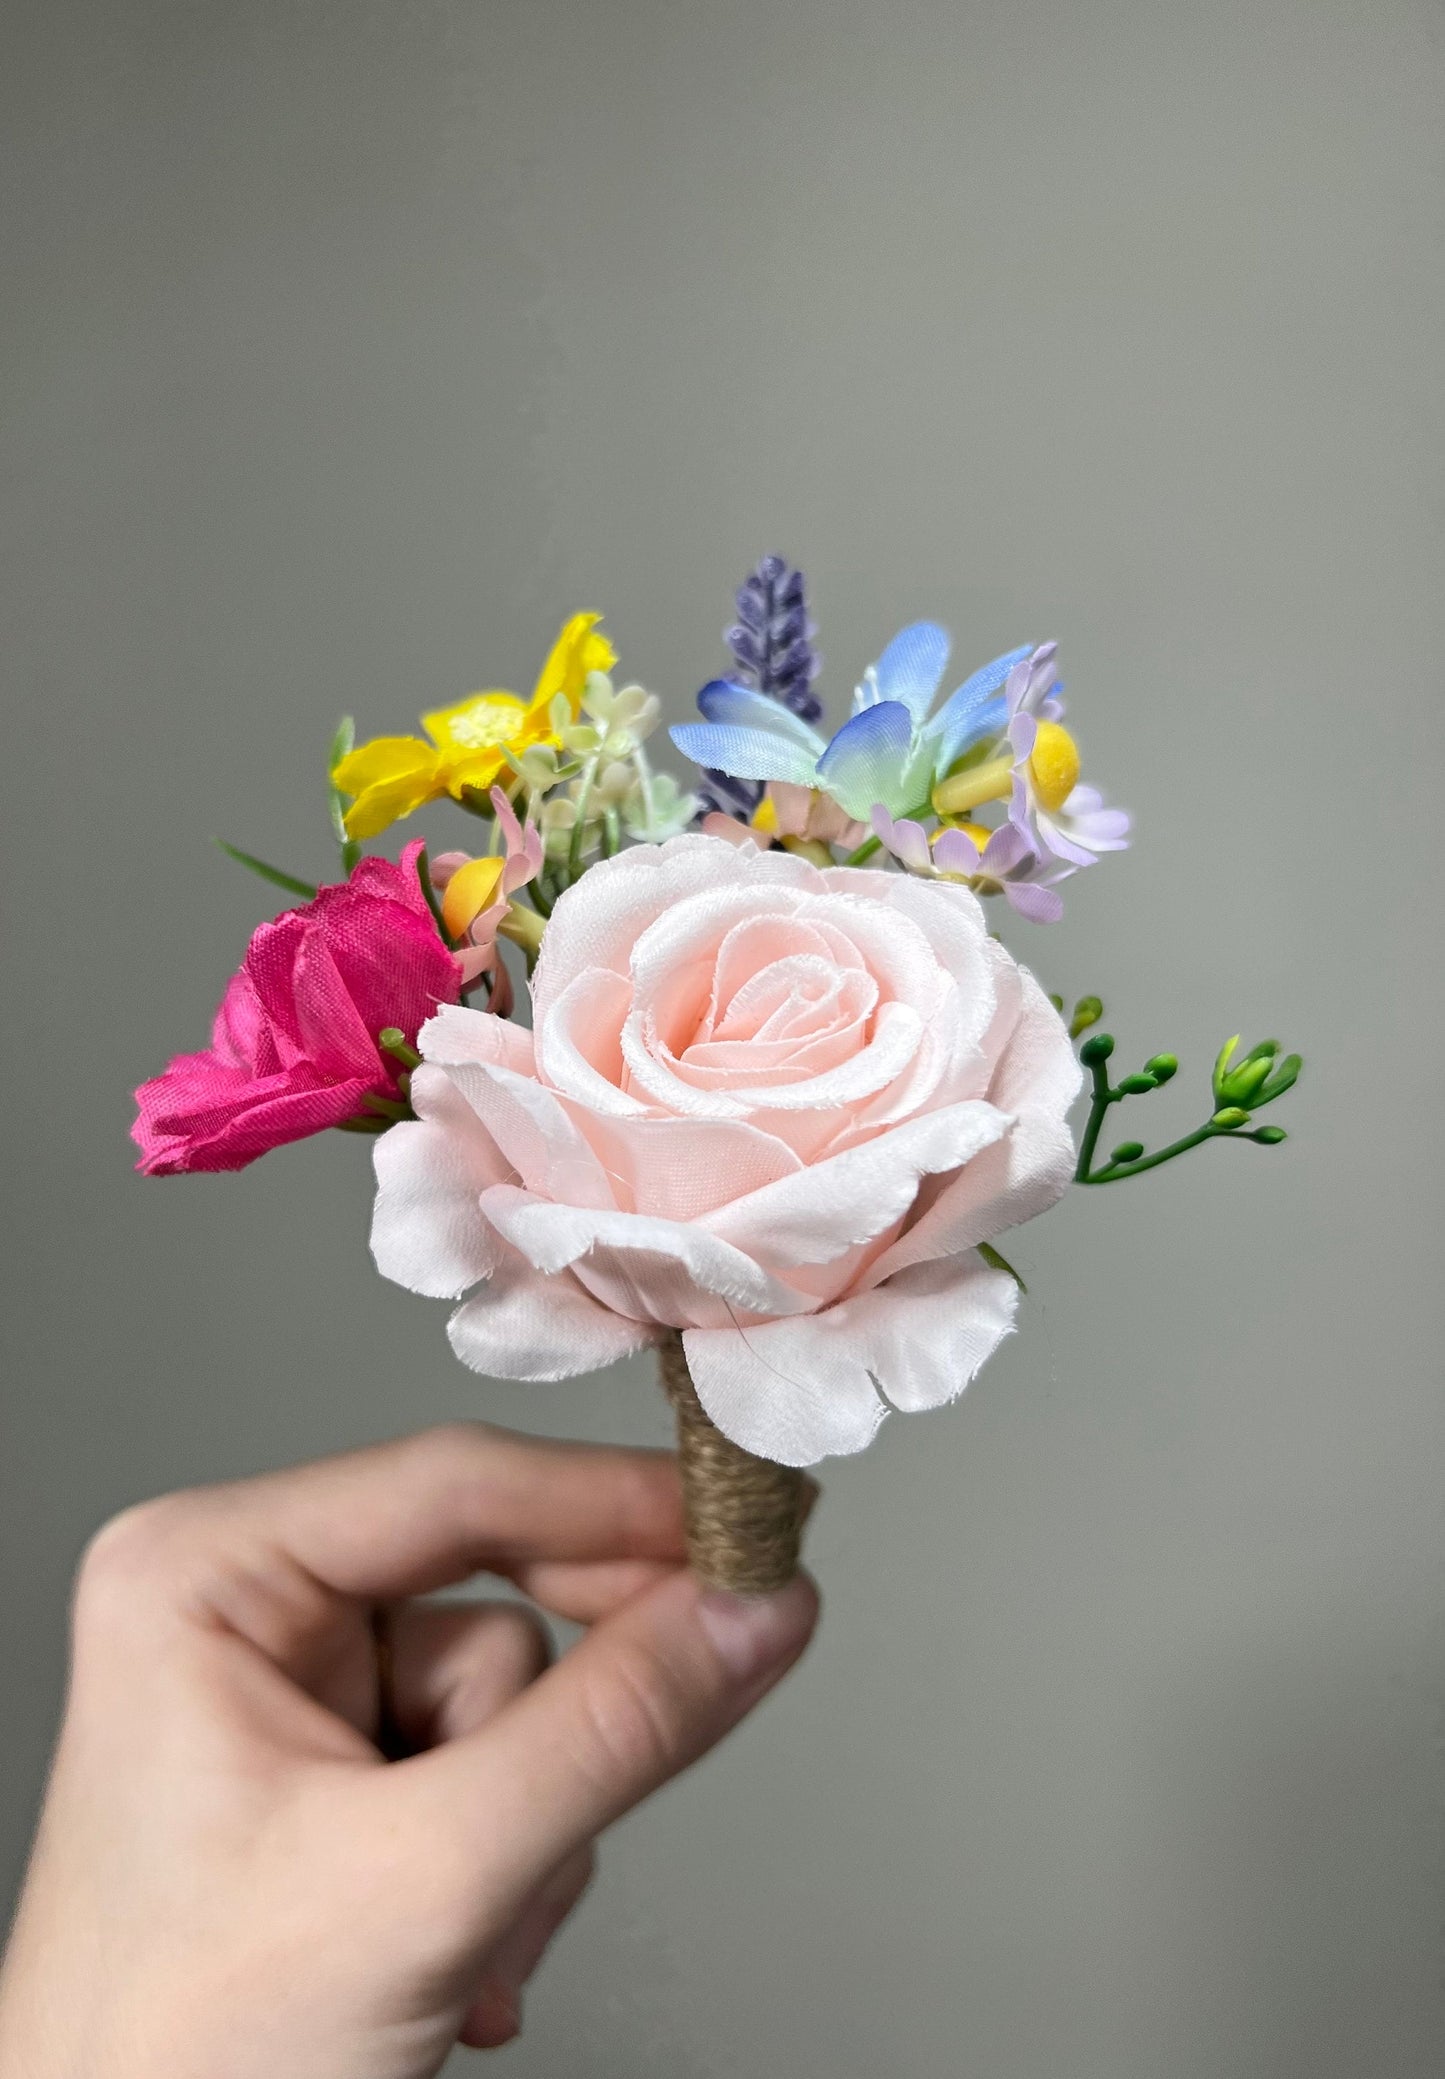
(643, 769)
(392, 1040)
(865, 851)
(1098, 1109)
(579, 828)
(423, 874)
(872, 844)
(524, 928)
(1113, 1173)
(387, 1107)
(341, 744)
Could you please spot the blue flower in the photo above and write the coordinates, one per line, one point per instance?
(890, 752)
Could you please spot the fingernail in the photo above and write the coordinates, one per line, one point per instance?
(495, 2017)
(751, 1633)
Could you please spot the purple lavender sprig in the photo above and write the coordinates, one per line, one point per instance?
(772, 638)
(772, 646)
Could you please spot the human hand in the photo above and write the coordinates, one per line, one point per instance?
(231, 1882)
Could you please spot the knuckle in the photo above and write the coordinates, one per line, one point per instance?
(448, 1441)
(648, 1499)
(526, 1642)
(132, 1546)
(509, 1650)
(634, 1717)
(455, 1459)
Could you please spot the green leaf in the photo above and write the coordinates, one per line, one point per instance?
(342, 745)
(991, 1256)
(1242, 1084)
(1221, 1067)
(1284, 1078)
(289, 881)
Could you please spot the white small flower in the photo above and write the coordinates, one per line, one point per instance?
(657, 809)
(624, 719)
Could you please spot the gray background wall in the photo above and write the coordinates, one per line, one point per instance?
(347, 347)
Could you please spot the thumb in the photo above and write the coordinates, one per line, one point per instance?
(644, 1694)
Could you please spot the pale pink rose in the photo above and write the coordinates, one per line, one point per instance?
(773, 1105)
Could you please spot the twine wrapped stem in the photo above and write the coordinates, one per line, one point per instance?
(745, 1515)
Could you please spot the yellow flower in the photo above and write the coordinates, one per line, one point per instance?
(473, 741)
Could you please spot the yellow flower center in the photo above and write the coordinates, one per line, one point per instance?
(1054, 765)
(486, 724)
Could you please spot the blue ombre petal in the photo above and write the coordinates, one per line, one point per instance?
(962, 730)
(746, 753)
(867, 761)
(909, 671)
(725, 702)
(976, 711)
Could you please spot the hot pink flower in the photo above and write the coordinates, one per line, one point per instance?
(775, 1106)
(293, 1049)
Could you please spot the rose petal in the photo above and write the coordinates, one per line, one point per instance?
(596, 923)
(798, 1391)
(579, 1051)
(1011, 1182)
(457, 1033)
(427, 1230)
(534, 1132)
(679, 1169)
(814, 1215)
(1037, 1065)
(897, 1030)
(665, 1265)
(521, 1325)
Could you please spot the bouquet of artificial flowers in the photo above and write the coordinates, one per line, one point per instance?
(782, 1087)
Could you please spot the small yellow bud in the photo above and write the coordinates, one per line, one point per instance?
(1054, 765)
(979, 832)
(471, 889)
(972, 788)
(765, 816)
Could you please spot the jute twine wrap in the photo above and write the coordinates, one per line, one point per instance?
(745, 1515)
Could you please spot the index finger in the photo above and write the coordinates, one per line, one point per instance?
(419, 1513)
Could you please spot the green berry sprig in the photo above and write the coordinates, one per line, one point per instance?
(1239, 1089)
